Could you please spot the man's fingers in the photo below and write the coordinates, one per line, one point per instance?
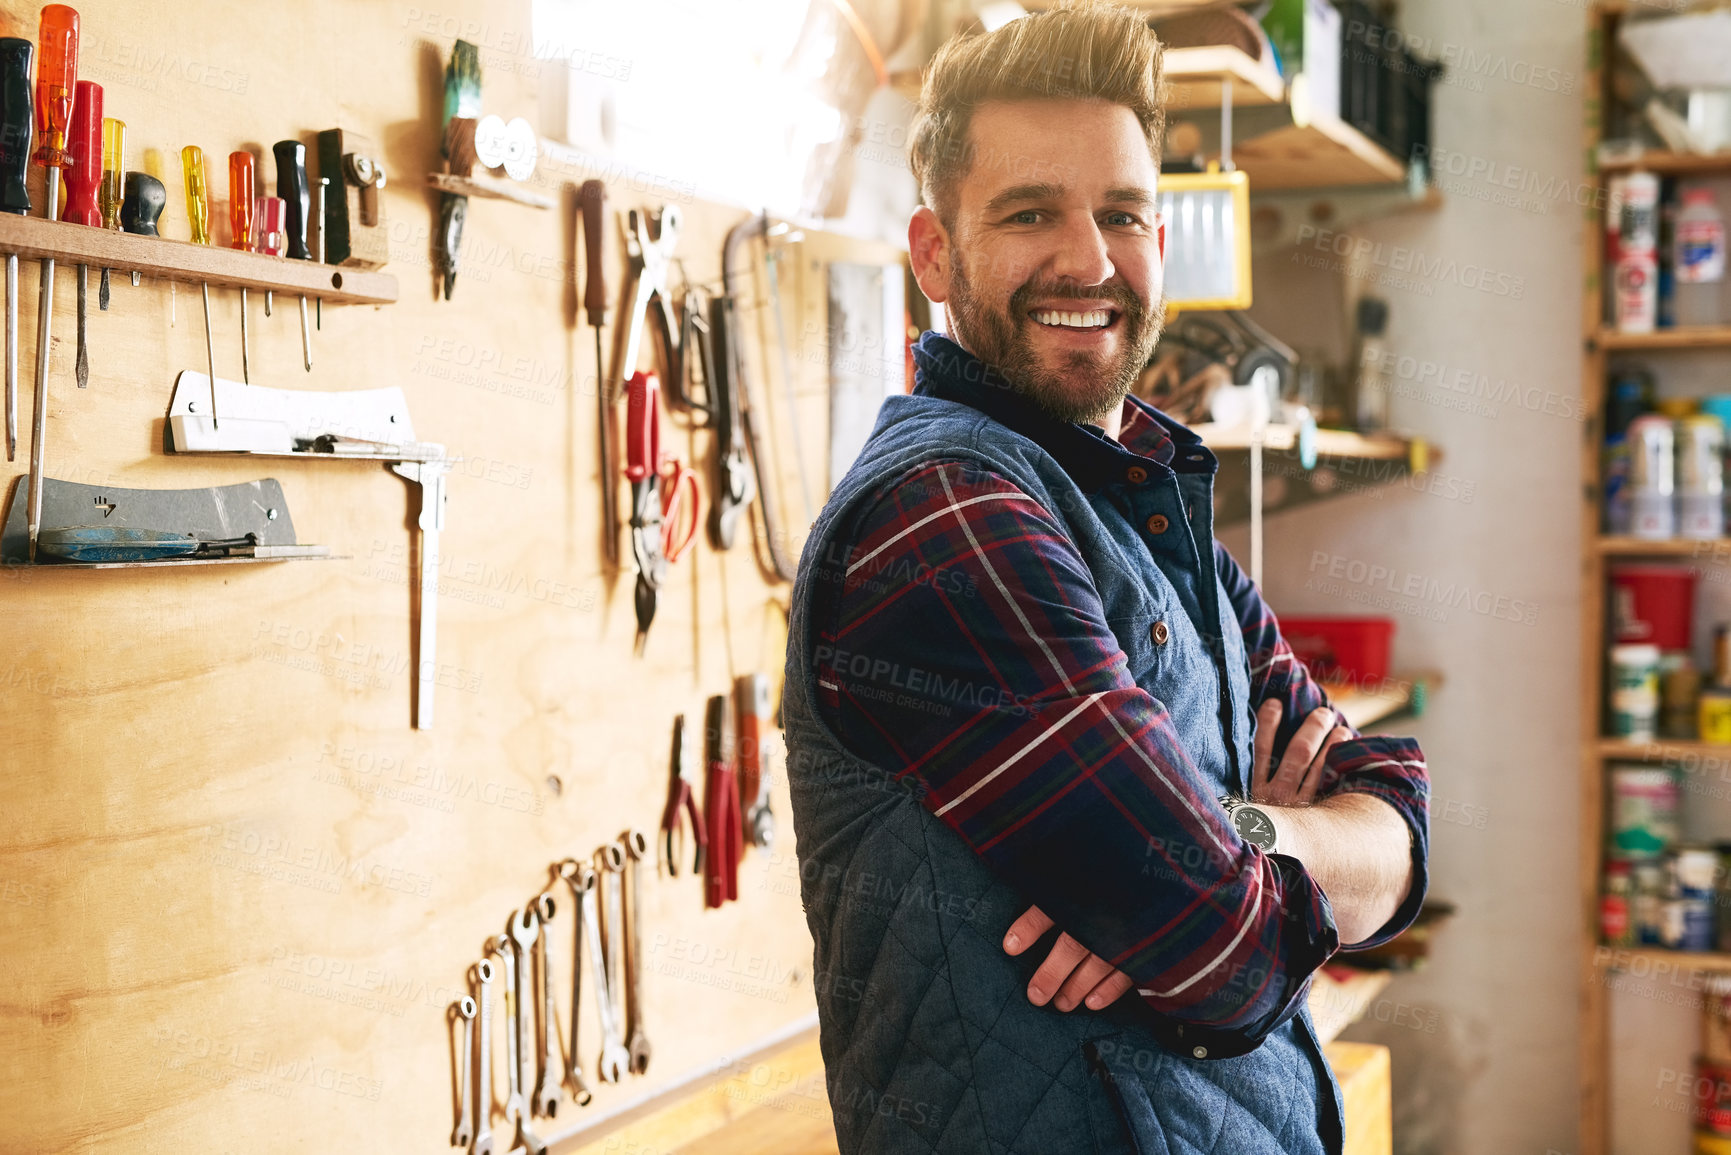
(1026, 931)
(1109, 991)
(1300, 752)
(1064, 958)
(1267, 721)
(1082, 980)
(1307, 793)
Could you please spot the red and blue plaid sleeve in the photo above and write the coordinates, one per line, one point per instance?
(1392, 769)
(968, 650)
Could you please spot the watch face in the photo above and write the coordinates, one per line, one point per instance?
(1253, 826)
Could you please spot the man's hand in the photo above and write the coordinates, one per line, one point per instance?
(1070, 971)
(1294, 781)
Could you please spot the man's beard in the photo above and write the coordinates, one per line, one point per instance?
(1086, 387)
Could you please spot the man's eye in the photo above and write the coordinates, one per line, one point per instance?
(1026, 217)
(1120, 219)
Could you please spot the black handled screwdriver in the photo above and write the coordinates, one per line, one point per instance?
(16, 125)
(292, 187)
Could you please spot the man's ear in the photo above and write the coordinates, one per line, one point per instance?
(1162, 235)
(929, 253)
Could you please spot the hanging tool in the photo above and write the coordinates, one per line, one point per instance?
(268, 213)
(771, 260)
(636, 1035)
(15, 127)
(462, 100)
(751, 695)
(682, 795)
(735, 486)
(83, 178)
(56, 76)
(696, 393)
(731, 362)
(593, 203)
(650, 239)
(241, 212)
(656, 488)
(113, 189)
(721, 804)
(581, 878)
(198, 213)
(291, 186)
(430, 477)
(319, 210)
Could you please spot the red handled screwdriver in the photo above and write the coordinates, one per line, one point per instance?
(83, 179)
(240, 222)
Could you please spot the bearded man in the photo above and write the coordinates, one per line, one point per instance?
(1047, 745)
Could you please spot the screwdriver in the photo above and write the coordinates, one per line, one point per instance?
(240, 220)
(267, 233)
(15, 126)
(593, 196)
(198, 212)
(113, 190)
(56, 74)
(291, 186)
(83, 176)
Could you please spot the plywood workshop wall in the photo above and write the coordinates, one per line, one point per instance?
(237, 891)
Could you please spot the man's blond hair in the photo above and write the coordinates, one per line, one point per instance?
(1087, 51)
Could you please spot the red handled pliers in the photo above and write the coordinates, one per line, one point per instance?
(682, 795)
(657, 487)
(721, 802)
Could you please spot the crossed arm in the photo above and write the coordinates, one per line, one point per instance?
(968, 649)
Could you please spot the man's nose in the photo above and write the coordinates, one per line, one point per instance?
(1082, 254)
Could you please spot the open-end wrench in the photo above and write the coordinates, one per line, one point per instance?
(546, 1100)
(465, 1063)
(484, 1079)
(515, 1107)
(523, 927)
(611, 860)
(637, 1039)
(581, 878)
(614, 1057)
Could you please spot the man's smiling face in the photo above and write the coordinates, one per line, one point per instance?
(1050, 264)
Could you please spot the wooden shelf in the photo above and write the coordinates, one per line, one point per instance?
(1326, 153)
(35, 238)
(160, 563)
(1667, 163)
(1363, 706)
(1664, 750)
(1618, 957)
(1194, 77)
(1716, 549)
(1704, 337)
(1329, 442)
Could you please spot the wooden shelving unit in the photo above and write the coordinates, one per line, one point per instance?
(1365, 706)
(1599, 551)
(158, 257)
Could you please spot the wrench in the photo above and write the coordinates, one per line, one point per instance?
(614, 1057)
(637, 849)
(484, 1087)
(465, 1062)
(524, 925)
(581, 879)
(546, 1101)
(514, 1105)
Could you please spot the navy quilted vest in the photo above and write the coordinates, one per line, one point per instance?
(929, 1041)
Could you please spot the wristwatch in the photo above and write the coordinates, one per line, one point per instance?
(1252, 823)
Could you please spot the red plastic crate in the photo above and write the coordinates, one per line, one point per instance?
(1341, 649)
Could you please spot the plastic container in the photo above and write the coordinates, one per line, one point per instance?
(1700, 477)
(1652, 477)
(1341, 649)
(1643, 818)
(1635, 272)
(1635, 692)
(1653, 604)
(1698, 259)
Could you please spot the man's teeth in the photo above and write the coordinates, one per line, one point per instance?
(1097, 319)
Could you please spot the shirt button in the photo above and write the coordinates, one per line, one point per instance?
(1136, 474)
(1200, 1052)
(1159, 633)
(1157, 524)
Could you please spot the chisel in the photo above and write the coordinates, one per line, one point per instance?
(291, 186)
(113, 190)
(240, 220)
(83, 178)
(198, 213)
(15, 126)
(56, 76)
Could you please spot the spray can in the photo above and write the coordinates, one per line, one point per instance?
(1635, 278)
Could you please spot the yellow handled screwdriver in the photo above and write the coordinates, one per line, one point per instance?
(198, 212)
(113, 191)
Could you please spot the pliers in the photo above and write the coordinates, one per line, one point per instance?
(656, 490)
(721, 803)
(682, 794)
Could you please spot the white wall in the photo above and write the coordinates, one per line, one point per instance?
(1485, 1038)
